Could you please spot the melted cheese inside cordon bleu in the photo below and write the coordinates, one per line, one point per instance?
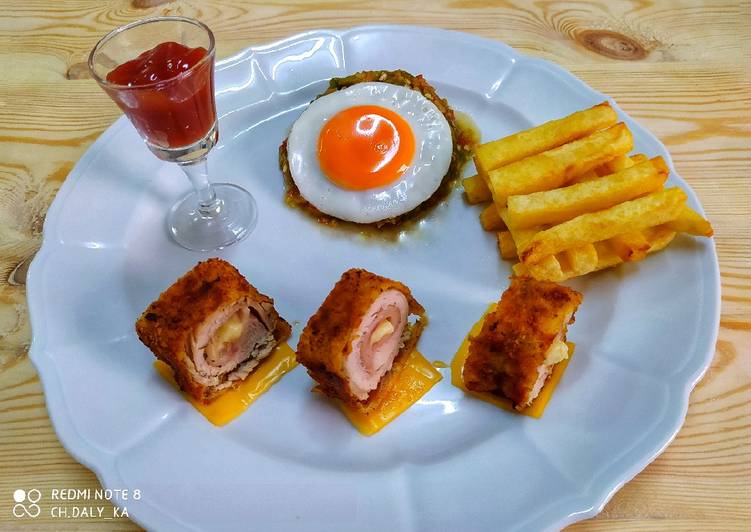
(212, 327)
(521, 341)
(358, 336)
(557, 352)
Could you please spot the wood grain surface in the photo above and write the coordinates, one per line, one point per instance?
(681, 68)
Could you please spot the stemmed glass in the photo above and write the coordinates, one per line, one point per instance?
(160, 72)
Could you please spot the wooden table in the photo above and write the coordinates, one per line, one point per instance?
(681, 68)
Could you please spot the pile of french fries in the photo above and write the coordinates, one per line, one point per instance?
(565, 198)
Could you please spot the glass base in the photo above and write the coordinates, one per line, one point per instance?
(231, 218)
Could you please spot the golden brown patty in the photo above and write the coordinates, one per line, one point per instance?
(504, 358)
(462, 145)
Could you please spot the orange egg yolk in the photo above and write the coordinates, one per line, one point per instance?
(365, 147)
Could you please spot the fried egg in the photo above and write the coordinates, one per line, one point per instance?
(369, 152)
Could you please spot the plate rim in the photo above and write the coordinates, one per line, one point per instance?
(594, 497)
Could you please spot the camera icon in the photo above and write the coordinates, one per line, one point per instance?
(26, 503)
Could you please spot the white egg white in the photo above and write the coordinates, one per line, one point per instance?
(433, 147)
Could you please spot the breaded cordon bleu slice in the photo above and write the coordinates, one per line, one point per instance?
(521, 341)
(358, 335)
(212, 327)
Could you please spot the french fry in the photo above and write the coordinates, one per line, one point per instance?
(616, 165)
(691, 222)
(558, 205)
(578, 261)
(555, 167)
(565, 265)
(586, 176)
(491, 220)
(654, 209)
(659, 237)
(521, 237)
(548, 269)
(606, 255)
(607, 168)
(476, 190)
(547, 136)
(506, 245)
(631, 246)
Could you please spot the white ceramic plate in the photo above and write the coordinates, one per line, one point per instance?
(645, 332)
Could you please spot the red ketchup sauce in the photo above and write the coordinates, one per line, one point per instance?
(171, 105)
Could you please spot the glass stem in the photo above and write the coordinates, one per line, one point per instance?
(198, 173)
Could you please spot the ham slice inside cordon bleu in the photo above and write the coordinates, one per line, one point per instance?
(376, 342)
(521, 341)
(212, 327)
(232, 342)
(357, 335)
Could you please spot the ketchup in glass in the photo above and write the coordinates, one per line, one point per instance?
(169, 102)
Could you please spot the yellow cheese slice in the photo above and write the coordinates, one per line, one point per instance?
(416, 376)
(233, 402)
(537, 407)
